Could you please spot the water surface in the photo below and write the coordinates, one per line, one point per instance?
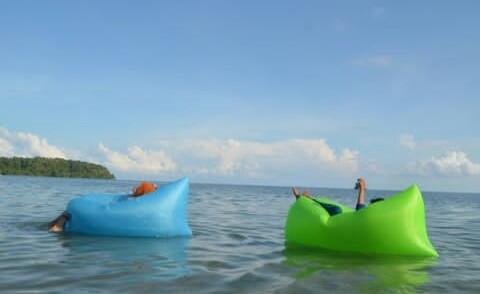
(237, 246)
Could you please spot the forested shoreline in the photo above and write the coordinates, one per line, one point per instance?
(52, 167)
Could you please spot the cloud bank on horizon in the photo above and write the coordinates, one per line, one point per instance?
(227, 160)
(27, 145)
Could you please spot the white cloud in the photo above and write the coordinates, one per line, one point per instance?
(408, 141)
(453, 163)
(27, 145)
(380, 61)
(6, 148)
(349, 159)
(229, 157)
(138, 160)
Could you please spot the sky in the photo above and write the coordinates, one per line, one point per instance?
(307, 93)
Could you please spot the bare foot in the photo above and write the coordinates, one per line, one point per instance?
(56, 226)
(295, 192)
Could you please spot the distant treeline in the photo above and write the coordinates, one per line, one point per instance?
(52, 167)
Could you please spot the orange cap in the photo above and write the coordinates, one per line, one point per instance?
(144, 188)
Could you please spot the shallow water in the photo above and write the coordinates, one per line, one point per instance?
(238, 246)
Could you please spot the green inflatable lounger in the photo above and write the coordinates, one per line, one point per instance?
(395, 226)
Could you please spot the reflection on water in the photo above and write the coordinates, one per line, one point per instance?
(150, 258)
(375, 273)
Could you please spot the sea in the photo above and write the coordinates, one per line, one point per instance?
(237, 246)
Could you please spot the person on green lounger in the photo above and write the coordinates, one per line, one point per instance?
(360, 185)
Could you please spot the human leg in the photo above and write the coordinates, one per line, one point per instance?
(57, 225)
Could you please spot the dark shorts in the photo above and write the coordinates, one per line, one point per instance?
(359, 206)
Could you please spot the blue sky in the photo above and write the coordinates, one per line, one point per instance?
(310, 93)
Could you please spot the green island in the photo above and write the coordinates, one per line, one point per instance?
(52, 167)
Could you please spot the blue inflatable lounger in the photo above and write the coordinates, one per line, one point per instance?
(162, 213)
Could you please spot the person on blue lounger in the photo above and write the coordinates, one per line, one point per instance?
(360, 185)
(142, 189)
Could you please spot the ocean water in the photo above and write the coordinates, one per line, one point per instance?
(237, 246)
